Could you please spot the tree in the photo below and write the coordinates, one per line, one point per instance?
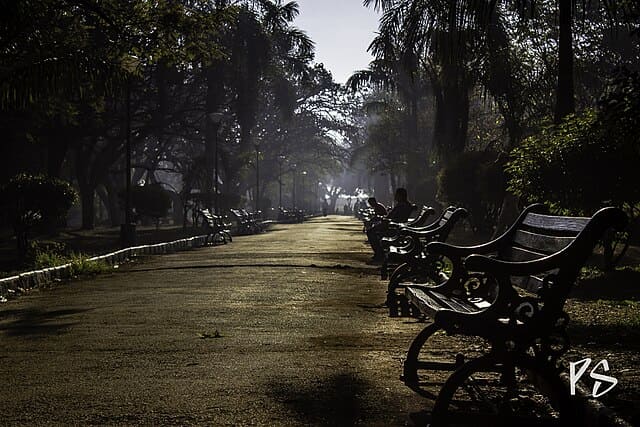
(31, 201)
(551, 165)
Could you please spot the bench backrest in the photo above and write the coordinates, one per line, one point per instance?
(422, 217)
(447, 219)
(537, 235)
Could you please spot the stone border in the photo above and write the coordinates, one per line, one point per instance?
(11, 286)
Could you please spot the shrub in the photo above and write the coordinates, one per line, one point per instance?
(588, 160)
(151, 200)
(474, 180)
(81, 265)
(46, 254)
(34, 200)
(53, 254)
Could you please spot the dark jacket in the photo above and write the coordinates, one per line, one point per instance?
(401, 212)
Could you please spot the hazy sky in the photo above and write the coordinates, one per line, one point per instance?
(342, 31)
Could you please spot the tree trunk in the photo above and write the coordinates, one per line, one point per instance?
(57, 146)
(565, 102)
(215, 92)
(87, 199)
(415, 159)
(111, 200)
(452, 114)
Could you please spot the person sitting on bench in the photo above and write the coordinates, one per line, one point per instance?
(399, 213)
(378, 208)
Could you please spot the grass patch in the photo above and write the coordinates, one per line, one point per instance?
(53, 254)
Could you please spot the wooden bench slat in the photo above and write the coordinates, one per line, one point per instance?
(556, 223)
(430, 301)
(541, 242)
(421, 299)
(454, 303)
(515, 253)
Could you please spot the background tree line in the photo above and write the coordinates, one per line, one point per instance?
(178, 77)
(475, 102)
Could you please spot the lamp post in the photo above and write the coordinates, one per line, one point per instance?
(304, 174)
(257, 177)
(281, 160)
(216, 119)
(293, 191)
(128, 229)
(317, 199)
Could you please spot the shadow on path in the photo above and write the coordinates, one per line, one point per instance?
(334, 400)
(36, 322)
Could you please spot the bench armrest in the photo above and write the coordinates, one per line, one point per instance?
(497, 267)
(453, 251)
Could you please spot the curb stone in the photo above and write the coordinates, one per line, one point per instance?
(14, 285)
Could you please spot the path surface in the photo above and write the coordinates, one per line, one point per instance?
(303, 339)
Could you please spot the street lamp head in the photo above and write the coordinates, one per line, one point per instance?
(304, 172)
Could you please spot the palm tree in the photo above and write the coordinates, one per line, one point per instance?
(394, 69)
(431, 46)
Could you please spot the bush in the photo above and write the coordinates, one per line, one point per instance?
(46, 254)
(81, 265)
(31, 201)
(151, 200)
(587, 161)
(474, 180)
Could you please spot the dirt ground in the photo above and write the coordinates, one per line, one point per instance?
(282, 328)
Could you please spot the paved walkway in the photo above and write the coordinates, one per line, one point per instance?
(282, 328)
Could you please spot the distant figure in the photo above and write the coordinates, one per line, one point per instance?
(325, 207)
(378, 208)
(399, 213)
(356, 208)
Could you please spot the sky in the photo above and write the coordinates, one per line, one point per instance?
(342, 31)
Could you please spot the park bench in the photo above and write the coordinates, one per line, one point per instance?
(247, 223)
(420, 220)
(393, 228)
(371, 219)
(368, 218)
(409, 240)
(508, 297)
(407, 258)
(218, 230)
(290, 216)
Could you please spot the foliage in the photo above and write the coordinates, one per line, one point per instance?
(474, 180)
(82, 265)
(32, 200)
(588, 160)
(52, 254)
(43, 254)
(151, 200)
